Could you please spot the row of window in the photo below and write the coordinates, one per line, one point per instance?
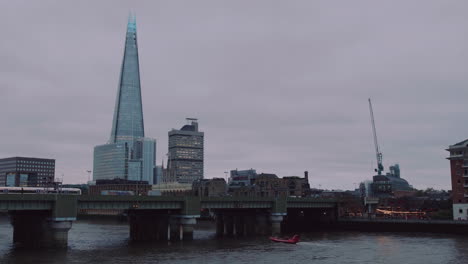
(36, 162)
(36, 166)
(43, 174)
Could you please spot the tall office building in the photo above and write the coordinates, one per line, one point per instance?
(128, 155)
(185, 161)
(22, 171)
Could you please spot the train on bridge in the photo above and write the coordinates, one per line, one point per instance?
(38, 190)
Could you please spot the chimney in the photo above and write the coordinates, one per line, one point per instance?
(306, 175)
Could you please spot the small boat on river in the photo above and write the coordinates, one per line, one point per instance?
(292, 240)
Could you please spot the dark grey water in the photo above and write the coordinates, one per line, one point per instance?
(107, 242)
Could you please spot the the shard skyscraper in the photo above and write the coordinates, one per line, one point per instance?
(128, 154)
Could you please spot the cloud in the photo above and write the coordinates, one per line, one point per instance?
(277, 86)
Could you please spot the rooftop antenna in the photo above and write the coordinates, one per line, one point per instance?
(191, 119)
(378, 153)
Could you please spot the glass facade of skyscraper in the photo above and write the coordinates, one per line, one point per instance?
(110, 161)
(128, 154)
(128, 115)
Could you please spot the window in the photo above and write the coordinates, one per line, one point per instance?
(460, 211)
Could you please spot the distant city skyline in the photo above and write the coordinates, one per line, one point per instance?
(281, 87)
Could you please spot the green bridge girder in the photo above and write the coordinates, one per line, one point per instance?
(307, 202)
(10, 202)
(236, 203)
(103, 202)
(61, 206)
(67, 206)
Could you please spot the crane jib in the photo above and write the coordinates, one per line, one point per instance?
(378, 154)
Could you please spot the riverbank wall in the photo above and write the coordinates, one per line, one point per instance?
(399, 225)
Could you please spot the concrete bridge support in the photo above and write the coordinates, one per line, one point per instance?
(219, 225)
(239, 225)
(181, 227)
(249, 221)
(35, 229)
(242, 224)
(229, 225)
(276, 220)
(147, 225)
(187, 224)
(174, 229)
(262, 226)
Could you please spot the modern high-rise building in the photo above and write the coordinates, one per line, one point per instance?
(22, 171)
(459, 174)
(128, 154)
(185, 160)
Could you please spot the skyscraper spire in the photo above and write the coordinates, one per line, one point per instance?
(131, 25)
(128, 124)
(128, 154)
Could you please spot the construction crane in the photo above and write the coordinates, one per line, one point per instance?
(378, 154)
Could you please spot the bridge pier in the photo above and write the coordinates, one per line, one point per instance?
(229, 225)
(261, 224)
(187, 224)
(219, 225)
(57, 233)
(37, 230)
(249, 221)
(174, 229)
(276, 220)
(181, 227)
(147, 225)
(239, 225)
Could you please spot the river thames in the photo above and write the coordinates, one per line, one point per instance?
(106, 241)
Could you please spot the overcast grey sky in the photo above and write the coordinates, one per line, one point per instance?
(279, 86)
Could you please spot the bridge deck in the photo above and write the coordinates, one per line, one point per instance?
(27, 201)
(188, 204)
(129, 202)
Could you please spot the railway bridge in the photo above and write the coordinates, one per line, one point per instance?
(43, 220)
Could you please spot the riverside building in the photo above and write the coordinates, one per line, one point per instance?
(459, 174)
(128, 154)
(23, 171)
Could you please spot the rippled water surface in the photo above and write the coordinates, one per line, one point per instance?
(105, 241)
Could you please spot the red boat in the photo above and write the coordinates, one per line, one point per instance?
(292, 240)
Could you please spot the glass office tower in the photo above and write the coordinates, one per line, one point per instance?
(128, 154)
